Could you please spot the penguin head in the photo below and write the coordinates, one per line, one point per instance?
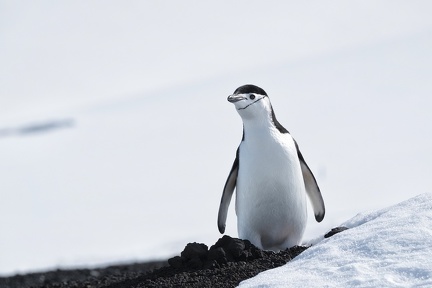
(251, 102)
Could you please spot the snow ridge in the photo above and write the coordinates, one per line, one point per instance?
(386, 248)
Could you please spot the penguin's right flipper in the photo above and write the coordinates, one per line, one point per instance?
(228, 191)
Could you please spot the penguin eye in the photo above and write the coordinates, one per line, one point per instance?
(252, 96)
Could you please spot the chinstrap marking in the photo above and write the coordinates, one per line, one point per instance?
(252, 103)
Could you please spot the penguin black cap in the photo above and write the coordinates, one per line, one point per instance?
(249, 88)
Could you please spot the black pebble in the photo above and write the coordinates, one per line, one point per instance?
(335, 231)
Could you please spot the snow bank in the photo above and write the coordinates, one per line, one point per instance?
(386, 248)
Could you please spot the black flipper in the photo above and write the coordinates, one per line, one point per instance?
(228, 191)
(312, 188)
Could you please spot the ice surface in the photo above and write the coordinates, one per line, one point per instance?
(391, 247)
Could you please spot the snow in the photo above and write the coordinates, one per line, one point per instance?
(116, 137)
(385, 248)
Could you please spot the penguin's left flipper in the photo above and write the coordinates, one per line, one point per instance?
(312, 188)
(228, 191)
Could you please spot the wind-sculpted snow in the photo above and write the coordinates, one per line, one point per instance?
(387, 248)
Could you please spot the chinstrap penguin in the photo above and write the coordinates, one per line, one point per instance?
(270, 176)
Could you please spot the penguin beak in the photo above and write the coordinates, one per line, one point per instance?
(235, 98)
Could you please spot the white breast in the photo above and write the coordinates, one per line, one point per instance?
(270, 195)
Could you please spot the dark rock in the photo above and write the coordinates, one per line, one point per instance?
(194, 250)
(235, 247)
(222, 242)
(176, 262)
(218, 254)
(228, 262)
(99, 277)
(195, 263)
(335, 231)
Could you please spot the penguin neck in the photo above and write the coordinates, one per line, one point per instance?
(258, 127)
(262, 125)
